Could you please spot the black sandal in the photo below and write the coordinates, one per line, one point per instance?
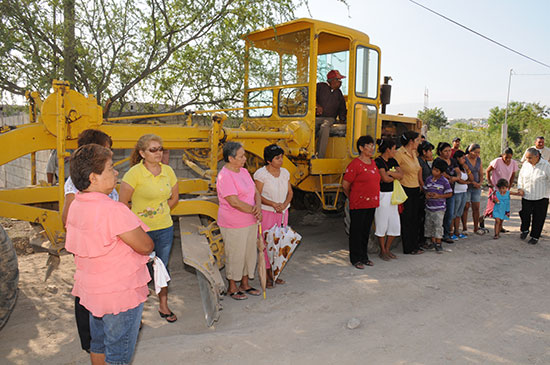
(253, 291)
(166, 316)
(238, 295)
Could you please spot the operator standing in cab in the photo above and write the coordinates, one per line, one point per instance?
(330, 104)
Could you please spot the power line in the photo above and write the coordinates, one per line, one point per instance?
(479, 34)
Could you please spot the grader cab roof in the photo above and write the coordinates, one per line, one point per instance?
(332, 37)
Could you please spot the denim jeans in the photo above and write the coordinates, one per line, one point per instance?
(449, 215)
(115, 335)
(163, 239)
(473, 195)
(460, 203)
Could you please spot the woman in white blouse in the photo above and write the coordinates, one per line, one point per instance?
(273, 183)
(534, 187)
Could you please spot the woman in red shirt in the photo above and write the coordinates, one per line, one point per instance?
(362, 187)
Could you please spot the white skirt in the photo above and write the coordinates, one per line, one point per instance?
(386, 217)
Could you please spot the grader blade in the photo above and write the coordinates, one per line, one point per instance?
(196, 253)
(210, 301)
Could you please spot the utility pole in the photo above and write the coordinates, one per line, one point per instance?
(426, 98)
(504, 133)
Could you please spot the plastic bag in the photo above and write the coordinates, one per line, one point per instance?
(398, 195)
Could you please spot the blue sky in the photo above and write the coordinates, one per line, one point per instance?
(465, 74)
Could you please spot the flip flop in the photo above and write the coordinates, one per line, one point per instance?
(166, 316)
(280, 282)
(253, 291)
(368, 263)
(238, 295)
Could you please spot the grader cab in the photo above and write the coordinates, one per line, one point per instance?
(282, 68)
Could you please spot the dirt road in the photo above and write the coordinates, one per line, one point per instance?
(483, 301)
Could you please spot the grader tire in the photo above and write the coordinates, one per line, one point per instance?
(9, 277)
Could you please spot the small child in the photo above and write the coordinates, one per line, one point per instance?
(436, 189)
(501, 210)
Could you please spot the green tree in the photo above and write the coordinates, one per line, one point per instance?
(433, 118)
(525, 120)
(172, 52)
(462, 125)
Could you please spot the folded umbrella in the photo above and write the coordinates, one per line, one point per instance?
(281, 243)
(262, 274)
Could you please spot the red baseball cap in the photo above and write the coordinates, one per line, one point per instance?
(335, 74)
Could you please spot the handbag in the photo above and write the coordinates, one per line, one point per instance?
(398, 196)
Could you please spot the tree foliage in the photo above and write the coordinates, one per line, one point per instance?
(526, 121)
(172, 52)
(433, 118)
(490, 143)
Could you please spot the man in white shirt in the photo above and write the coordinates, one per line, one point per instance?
(534, 187)
(539, 145)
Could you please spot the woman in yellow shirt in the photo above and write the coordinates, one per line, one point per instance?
(152, 189)
(412, 182)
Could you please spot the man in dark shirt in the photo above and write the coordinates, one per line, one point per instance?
(330, 104)
(456, 146)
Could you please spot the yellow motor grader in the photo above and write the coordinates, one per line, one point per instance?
(283, 65)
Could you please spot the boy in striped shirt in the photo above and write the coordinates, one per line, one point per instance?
(436, 189)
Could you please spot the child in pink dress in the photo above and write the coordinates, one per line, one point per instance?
(111, 249)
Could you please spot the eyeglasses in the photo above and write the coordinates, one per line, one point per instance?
(156, 149)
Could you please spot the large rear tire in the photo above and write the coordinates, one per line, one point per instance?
(9, 277)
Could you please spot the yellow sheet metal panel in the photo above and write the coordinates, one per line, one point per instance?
(28, 195)
(173, 136)
(187, 186)
(329, 165)
(80, 112)
(196, 206)
(337, 147)
(399, 118)
(25, 139)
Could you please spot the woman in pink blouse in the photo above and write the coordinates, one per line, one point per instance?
(102, 233)
(238, 216)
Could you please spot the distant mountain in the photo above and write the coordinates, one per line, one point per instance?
(452, 109)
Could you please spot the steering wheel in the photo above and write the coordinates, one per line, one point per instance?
(297, 98)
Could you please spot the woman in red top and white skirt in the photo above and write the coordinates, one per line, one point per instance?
(362, 187)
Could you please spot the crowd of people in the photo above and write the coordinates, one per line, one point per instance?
(439, 193)
(403, 191)
(106, 227)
